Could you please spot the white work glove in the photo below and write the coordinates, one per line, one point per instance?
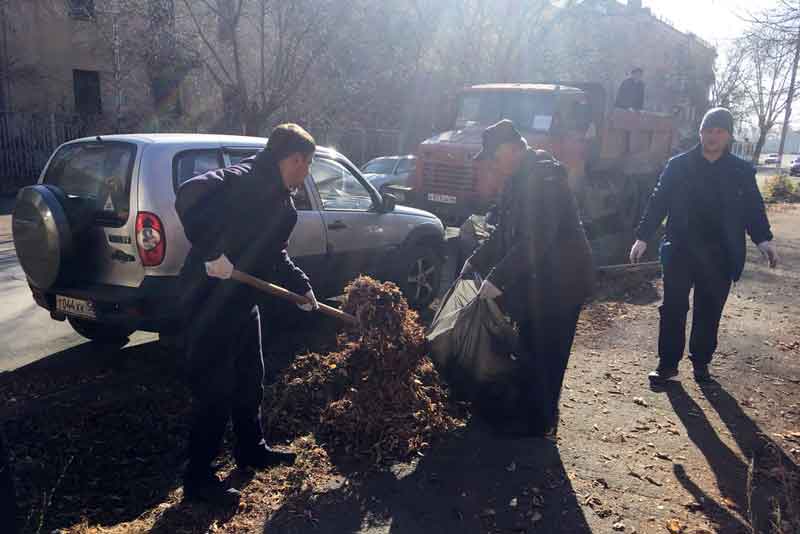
(768, 251)
(489, 291)
(220, 268)
(637, 250)
(312, 302)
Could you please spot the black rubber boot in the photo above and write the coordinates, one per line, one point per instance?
(263, 458)
(702, 375)
(662, 374)
(206, 487)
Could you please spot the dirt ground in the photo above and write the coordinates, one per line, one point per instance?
(97, 437)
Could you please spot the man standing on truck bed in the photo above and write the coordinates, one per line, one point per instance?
(538, 260)
(711, 199)
(239, 216)
(631, 91)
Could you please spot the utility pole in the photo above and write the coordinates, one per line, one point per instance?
(789, 99)
(115, 14)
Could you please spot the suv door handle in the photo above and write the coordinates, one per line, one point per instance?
(337, 225)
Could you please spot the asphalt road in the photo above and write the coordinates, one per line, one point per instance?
(27, 333)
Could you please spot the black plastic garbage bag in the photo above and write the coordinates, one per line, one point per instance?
(476, 348)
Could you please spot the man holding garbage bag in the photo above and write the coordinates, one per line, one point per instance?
(537, 264)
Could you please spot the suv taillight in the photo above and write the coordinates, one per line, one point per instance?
(150, 239)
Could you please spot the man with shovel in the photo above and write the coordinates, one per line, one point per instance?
(237, 217)
(537, 261)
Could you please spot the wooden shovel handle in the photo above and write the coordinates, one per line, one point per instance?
(285, 294)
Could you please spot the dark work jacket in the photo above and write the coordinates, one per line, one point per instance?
(630, 94)
(741, 208)
(245, 212)
(538, 254)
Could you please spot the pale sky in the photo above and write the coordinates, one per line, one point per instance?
(716, 21)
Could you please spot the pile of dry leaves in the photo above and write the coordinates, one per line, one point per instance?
(378, 395)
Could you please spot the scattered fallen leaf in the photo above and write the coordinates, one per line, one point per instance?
(674, 526)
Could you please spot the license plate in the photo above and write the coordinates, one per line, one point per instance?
(76, 307)
(443, 199)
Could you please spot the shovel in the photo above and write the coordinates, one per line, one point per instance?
(285, 294)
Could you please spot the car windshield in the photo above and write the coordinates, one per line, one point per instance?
(380, 166)
(530, 111)
(96, 170)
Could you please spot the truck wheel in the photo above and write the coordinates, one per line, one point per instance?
(421, 275)
(102, 333)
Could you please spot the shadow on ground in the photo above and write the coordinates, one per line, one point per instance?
(95, 433)
(742, 501)
(472, 482)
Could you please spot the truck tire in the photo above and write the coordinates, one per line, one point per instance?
(420, 276)
(42, 235)
(106, 334)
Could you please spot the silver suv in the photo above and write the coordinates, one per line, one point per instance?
(102, 246)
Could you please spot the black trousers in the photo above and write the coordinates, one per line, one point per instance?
(226, 374)
(548, 339)
(686, 268)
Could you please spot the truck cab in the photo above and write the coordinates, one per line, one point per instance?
(612, 158)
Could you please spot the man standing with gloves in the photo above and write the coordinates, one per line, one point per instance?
(711, 199)
(237, 217)
(537, 261)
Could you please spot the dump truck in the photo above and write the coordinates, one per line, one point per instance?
(613, 156)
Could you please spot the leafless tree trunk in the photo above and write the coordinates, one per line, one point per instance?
(781, 26)
(727, 89)
(769, 64)
(290, 37)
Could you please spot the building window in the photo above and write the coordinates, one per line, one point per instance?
(86, 85)
(81, 9)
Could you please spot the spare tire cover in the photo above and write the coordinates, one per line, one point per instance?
(42, 235)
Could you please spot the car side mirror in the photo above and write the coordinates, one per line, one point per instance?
(389, 202)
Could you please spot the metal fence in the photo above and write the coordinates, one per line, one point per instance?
(743, 149)
(28, 139)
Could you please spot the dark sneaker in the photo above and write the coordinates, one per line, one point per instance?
(264, 458)
(207, 488)
(702, 375)
(662, 374)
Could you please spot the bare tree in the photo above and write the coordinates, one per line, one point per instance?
(727, 89)
(491, 41)
(255, 81)
(781, 26)
(768, 62)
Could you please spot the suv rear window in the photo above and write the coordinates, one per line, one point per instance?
(100, 171)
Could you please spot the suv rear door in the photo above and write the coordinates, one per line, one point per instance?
(99, 177)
